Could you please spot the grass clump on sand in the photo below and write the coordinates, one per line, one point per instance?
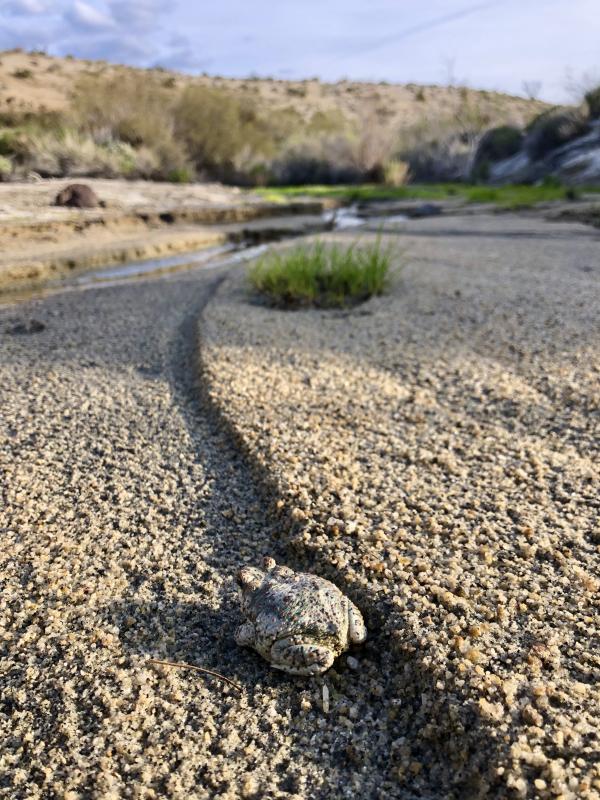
(323, 276)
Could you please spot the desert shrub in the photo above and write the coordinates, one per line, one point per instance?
(130, 107)
(440, 147)
(135, 111)
(216, 127)
(23, 118)
(495, 145)
(297, 168)
(322, 160)
(481, 171)
(396, 173)
(499, 143)
(6, 168)
(297, 91)
(554, 129)
(13, 142)
(72, 153)
(538, 119)
(23, 74)
(322, 275)
(592, 98)
(327, 122)
(180, 175)
(372, 147)
(436, 160)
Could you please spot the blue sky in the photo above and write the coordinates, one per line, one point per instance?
(495, 45)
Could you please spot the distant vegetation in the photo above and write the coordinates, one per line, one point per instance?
(110, 121)
(324, 276)
(122, 122)
(509, 196)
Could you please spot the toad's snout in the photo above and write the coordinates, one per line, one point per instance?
(249, 578)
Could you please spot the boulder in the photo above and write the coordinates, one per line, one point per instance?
(575, 162)
(77, 195)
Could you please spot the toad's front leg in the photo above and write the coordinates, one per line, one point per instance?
(301, 658)
(245, 635)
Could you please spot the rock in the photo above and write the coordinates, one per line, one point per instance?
(26, 326)
(409, 209)
(574, 162)
(77, 195)
(424, 210)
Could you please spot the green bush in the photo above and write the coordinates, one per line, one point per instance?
(499, 143)
(12, 142)
(216, 128)
(209, 123)
(5, 167)
(592, 98)
(554, 129)
(180, 175)
(130, 107)
(325, 276)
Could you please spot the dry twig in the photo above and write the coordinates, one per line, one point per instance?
(181, 665)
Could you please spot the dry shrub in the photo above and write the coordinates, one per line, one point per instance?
(373, 147)
(6, 168)
(129, 107)
(326, 159)
(554, 129)
(220, 131)
(134, 110)
(592, 98)
(396, 173)
(69, 153)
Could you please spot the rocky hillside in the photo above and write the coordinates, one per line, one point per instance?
(562, 145)
(34, 82)
(63, 117)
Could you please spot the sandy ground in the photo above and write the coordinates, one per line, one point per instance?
(125, 513)
(436, 451)
(432, 451)
(34, 200)
(40, 242)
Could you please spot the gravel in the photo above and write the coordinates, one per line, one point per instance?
(435, 452)
(125, 510)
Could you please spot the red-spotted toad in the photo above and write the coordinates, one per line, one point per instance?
(300, 623)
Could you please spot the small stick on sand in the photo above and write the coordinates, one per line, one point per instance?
(180, 665)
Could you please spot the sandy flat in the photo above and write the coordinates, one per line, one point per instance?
(432, 451)
(436, 451)
(40, 242)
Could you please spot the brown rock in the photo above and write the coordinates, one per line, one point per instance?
(77, 195)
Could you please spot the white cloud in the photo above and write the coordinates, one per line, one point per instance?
(139, 15)
(117, 48)
(25, 8)
(84, 16)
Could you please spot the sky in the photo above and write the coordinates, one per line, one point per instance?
(497, 45)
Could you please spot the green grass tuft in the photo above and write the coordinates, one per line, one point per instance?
(509, 196)
(324, 276)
